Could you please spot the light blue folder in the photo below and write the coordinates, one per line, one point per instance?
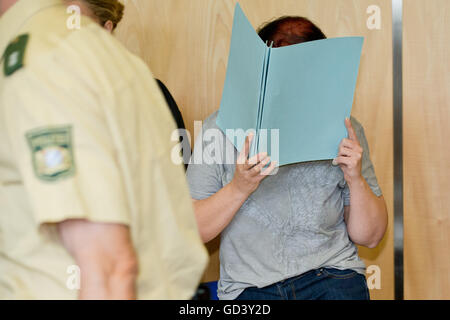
(303, 91)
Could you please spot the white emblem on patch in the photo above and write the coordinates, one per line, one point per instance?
(13, 59)
(53, 158)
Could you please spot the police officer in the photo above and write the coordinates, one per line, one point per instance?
(91, 203)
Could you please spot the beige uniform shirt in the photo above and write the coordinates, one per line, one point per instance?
(85, 133)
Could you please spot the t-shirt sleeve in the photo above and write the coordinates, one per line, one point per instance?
(204, 174)
(63, 148)
(367, 168)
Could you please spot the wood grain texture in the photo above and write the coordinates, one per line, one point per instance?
(186, 43)
(426, 74)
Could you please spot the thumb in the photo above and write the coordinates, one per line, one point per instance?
(350, 130)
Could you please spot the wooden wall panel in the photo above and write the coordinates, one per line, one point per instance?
(426, 115)
(186, 42)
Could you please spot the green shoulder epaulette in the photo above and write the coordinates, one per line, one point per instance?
(14, 55)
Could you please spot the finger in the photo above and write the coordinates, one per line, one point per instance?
(342, 161)
(348, 162)
(351, 132)
(357, 156)
(256, 170)
(243, 155)
(269, 169)
(350, 144)
(346, 143)
(347, 152)
(257, 158)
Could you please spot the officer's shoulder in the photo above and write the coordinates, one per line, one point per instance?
(41, 34)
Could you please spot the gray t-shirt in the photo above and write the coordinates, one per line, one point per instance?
(293, 222)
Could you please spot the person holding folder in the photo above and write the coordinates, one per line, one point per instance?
(293, 234)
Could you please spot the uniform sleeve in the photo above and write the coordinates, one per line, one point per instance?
(63, 148)
(367, 169)
(204, 175)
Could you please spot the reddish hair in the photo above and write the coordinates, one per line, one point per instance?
(289, 30)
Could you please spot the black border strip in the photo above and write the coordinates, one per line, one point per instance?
(397, 38)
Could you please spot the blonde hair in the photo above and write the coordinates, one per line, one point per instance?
(105, 10)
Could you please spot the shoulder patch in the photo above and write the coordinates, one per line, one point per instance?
(52, 152)
(14, 55)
